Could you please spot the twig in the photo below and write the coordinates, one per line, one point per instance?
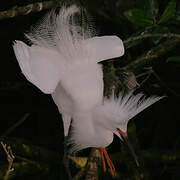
(153, 10)
(151, 55)
(91, 168)
(24, 10)
(92, 165)
(148, 73)
(144, 36)
(10, 158)
(18, 123)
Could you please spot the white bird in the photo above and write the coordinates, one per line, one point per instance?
(63, 61)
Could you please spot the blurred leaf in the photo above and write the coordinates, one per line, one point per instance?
(156, 85)
(151, 7)
(159, 29)
(79, 161)
(175, 59)
(169, 12)
(178, 18)
(138, 17)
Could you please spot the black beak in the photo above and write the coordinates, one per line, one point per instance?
(125, 138)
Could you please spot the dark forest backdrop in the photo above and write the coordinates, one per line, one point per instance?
(31, 124)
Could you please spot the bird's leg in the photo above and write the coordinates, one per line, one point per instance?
(102, 156)
(105, 156)
(109, 162)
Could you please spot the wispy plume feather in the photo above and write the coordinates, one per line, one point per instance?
(62, 32)
(124, 107)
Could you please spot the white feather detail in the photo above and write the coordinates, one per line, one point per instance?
(74, 41)
(115, 112)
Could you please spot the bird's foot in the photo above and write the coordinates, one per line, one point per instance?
(105, 157)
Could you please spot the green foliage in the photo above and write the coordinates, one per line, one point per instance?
(174, 59)
(151, 7)
(146, 15)
(138, 17)
(168, 13)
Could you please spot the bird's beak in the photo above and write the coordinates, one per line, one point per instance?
(125, 139)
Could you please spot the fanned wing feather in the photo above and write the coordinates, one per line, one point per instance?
(62, 33)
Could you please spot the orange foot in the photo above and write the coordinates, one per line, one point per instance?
(105, 156)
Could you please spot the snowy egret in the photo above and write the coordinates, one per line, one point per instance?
(63, 61)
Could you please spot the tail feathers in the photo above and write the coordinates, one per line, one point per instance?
(121, 109)
(40, 66)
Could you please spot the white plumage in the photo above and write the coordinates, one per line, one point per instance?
(106, 118)
(63, 61)
(117, 111)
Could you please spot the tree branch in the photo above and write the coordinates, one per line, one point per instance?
(92, 165)
(24, 10)
(30, 158)
(10, 158)
(144, 36)
(152, 54)
(14, 126)
(22, 149)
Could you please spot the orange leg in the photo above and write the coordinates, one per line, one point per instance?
(105, 156)
(109, 162)
(102, 156)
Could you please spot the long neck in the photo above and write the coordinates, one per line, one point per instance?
(86, 133)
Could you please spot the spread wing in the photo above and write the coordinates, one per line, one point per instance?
(104, 47)
(39, 65)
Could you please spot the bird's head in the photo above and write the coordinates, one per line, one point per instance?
(115, 113)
